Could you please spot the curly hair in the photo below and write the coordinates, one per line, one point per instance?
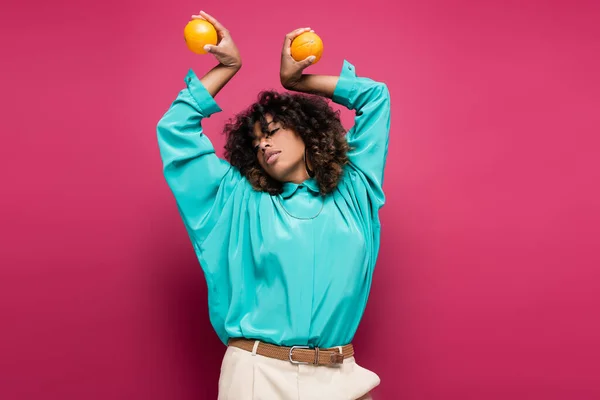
(310, 116)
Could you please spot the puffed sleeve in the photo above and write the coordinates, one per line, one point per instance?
(368, 138)
(200, 181)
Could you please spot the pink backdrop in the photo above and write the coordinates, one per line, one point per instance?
(487, 284)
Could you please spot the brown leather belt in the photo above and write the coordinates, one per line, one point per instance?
(296, 354)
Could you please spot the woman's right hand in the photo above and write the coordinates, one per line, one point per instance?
(226, 52)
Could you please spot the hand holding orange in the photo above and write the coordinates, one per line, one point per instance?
(301, 48)
(205, 34)
(305, 45)
(198, 33)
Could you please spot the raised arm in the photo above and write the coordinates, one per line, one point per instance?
(290, 72)
(368, 138)
(200, 181)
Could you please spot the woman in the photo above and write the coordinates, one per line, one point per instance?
(287, 231)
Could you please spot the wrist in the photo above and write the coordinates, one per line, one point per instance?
(293, 84)
(229, 71)
(234, 67)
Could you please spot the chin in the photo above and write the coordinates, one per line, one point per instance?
(277, 171)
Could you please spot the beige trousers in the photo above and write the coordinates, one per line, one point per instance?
(249, 376)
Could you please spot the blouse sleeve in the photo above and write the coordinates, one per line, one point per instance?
(200, 181)
(368, 138)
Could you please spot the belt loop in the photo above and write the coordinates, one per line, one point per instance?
(256, 342)
(341, 351)
(316, 355)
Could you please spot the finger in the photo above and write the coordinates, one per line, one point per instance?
(218, 26)
(209, 48)
(307, 61)
(297, 32)
(198, 17)
(290, 37)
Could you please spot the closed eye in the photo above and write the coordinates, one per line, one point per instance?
(256, 148)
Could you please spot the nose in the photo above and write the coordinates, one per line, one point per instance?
(263, 145)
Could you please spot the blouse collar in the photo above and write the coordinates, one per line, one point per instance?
(289, 188)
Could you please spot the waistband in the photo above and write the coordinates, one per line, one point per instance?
(296, 354)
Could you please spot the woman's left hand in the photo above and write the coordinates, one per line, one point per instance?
(291, 70)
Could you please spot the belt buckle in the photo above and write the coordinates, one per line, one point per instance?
(336, 358)
(292, 350)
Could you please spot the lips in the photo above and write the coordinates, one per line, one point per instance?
(271, 156)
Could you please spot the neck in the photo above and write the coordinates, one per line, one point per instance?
(299, 176)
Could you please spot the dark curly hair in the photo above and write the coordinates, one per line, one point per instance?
(310, 116)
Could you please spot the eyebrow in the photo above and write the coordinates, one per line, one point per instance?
(253, 135)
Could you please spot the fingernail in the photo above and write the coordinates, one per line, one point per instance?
(207, 48)
(311, 58)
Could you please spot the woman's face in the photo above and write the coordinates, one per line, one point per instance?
(280, 152)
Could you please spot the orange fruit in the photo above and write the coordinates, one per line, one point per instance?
(198, 33)
(307, 44)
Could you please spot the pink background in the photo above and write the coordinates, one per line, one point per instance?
(487, 286)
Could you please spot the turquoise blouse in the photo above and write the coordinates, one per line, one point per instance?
(289, 269)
